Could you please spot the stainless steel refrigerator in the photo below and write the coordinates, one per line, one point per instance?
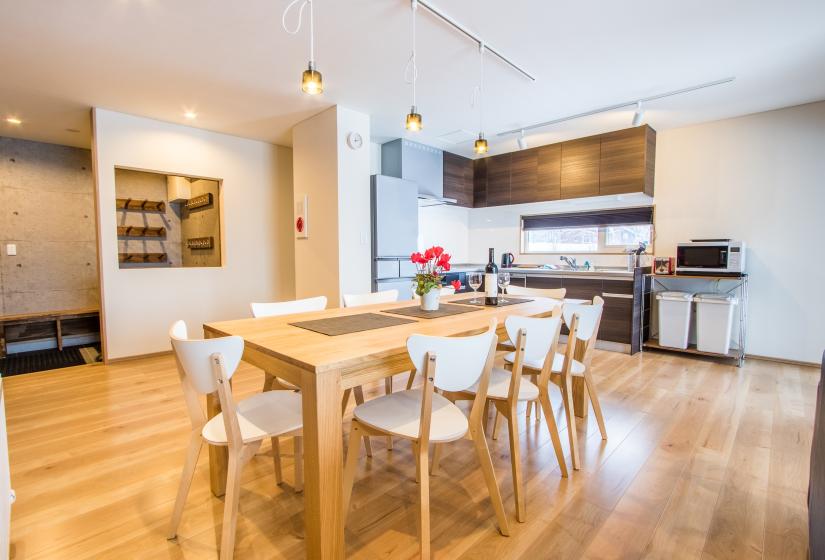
(394, 233)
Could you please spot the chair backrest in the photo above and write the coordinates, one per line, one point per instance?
(288, 307)
(385, 296)
(194, 356)
(589, 317)
(459, 360)
(552, 293)
(542, 335)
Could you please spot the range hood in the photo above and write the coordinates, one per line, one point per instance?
(421, 164)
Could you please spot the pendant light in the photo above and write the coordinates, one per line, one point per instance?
(414, 122)
(312, 82)
(480, 146)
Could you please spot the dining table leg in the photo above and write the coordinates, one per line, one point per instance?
(323, 465)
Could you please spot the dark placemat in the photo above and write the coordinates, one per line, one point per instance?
(346, 324)
(510, 301)
(444, 310)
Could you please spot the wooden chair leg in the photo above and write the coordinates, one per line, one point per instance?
(535, 379)
(569, 414)
(359, 399)
(269, 381)
(298, 463)
(489, 473)
(230, 504)
(594, 400)
(276, 460)
(345, 401)
(421, 458)
(497, 422)
(515, 464)
(192, 453)
(353, 448)
(387, 391)
(436, 460)
(417, 464)
(553, 428)
(411, 380)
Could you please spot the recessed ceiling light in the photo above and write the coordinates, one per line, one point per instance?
(191, 115)
(13, 120)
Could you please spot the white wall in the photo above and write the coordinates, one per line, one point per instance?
(335, 259)
(447, 226)
(759, 179)
(354, 215)
(139, 305)
(315, 156)
(500, 227)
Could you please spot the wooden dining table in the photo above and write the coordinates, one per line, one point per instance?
(324, 367)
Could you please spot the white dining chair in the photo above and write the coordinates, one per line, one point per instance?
(583, 322)
(424, 416)
(357, 300)
(271, 381)
(205, 367)
(536, 340)
(552, 293)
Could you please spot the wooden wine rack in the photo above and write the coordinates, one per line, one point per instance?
(140, 205)
(142, 257)
(140, 231)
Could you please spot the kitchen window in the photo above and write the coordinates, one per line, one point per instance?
(596, 232)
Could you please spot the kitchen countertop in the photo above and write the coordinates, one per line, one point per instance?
(616, 273)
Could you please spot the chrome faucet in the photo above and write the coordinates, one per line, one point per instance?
(570, 262)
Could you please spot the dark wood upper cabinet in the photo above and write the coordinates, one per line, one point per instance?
(458, 179)
(627, 158)
(580, 167)
(480, 183)
(548, 186)
(614, 163)
(524, 174)
(498, 180)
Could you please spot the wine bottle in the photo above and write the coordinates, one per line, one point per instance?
(491, 280)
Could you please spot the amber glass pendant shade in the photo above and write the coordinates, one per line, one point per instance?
(414, 122)
(480, 145)
(312, 82)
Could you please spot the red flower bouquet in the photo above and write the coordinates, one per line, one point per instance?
(430, 266)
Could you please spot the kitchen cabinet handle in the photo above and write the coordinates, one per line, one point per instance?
(622, 296)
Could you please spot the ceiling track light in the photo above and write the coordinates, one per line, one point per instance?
(414, 122)
(639, 114)
(474, 37)
(312, 82)
(609, 108)
(522, 141)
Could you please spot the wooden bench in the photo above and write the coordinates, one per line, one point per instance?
(45, 317)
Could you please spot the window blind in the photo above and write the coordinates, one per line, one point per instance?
(619, 216)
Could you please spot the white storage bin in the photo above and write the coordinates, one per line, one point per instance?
(714, 321)
(674, 318)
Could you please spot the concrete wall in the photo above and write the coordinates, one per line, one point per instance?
(139, 305)
(46, 209)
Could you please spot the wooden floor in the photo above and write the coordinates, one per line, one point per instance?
(703, 461)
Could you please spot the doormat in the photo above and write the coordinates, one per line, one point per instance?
(42, 360)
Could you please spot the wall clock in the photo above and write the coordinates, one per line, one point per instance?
(354, 140)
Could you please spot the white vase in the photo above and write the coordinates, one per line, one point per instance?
(429, 301)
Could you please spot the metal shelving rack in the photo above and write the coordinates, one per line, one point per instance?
(740, 287)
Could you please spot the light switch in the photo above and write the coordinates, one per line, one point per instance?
(11, 249)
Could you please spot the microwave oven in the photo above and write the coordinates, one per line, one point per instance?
(715, 257)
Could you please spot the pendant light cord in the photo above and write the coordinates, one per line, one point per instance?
(411, 69)
(303, 4)
(477, 96)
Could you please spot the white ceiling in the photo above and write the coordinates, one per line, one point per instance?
(231, 62)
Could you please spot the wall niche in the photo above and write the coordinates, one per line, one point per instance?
(167, 220)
